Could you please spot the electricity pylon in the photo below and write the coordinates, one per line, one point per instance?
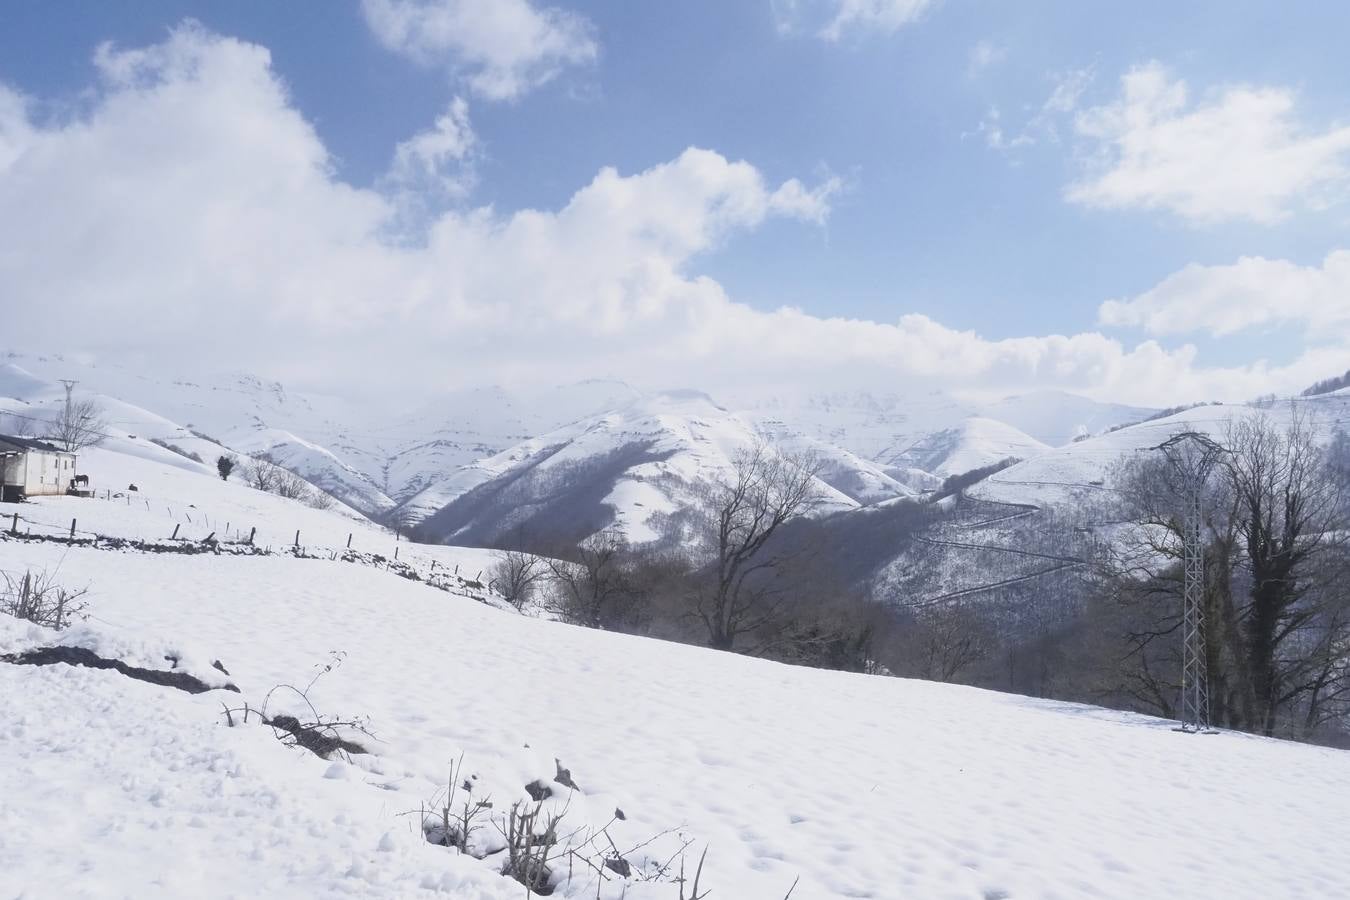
(1193, 457)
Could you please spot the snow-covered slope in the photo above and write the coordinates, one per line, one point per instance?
(620, 469)
(846, 785)
(1082, 470)
(874, 424)
(975, 443)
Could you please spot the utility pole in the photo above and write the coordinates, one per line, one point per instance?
(1193, 457)
(70, 386)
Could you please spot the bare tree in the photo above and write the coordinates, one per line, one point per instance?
(261, 474)
(516, 576)
(1287, 520)
(945, 640)
(79, 424)
(594, 588)
(1274, 604)
(290, 485)
(741, 513)
(318, 499)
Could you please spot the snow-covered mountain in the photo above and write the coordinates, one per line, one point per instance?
(411, 464)
(874, 424)
(622, 469)
(974, 443)
(1083, 469)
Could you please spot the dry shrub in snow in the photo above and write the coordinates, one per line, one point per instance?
(260, 472)
(454, 826)
(318, 499)
(37, 598)
(290, 485)
(533, 845)
(322, 736)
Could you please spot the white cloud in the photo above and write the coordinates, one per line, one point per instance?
(191, 215)
(983, 55)
(1240, 154)
(503, 48)
(438, 161)
(1044, 124)
(1251, 293)
(834, 20)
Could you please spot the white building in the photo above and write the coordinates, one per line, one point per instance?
(30, 468)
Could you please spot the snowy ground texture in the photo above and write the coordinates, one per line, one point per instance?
(859, 786)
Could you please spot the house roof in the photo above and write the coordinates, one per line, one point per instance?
(9, 443)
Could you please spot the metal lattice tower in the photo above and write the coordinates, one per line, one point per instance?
(1193, 456)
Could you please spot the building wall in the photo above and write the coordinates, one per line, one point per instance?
(48, 473)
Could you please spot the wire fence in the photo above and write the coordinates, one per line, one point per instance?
(18, 526)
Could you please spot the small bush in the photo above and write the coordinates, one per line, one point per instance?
(532, 846)
(265, 475)
(225, 465)
(37, 598)
(322, 736)
(318, 499)
(450, 824)
(290, 485)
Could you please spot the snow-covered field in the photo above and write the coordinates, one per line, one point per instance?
(174, 493)
(859, 786)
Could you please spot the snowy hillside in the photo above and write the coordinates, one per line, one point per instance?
(874, 425)
(973, 444)
(1080, 470)
(875, 446)
(116, 787)
(620, 469)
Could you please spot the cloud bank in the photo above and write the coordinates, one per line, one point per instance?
(1239, 155)
(191, 215)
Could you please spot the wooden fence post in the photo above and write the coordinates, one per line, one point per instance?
(174, 536)
(251, 532)
(297, 538)
(72, 529)
(14, 527)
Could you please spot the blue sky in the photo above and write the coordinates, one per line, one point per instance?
(949, 178)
